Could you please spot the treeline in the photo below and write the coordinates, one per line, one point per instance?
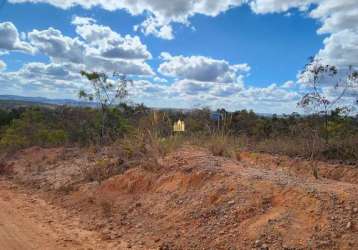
(28, 126)
(315, 136)
(293, 135)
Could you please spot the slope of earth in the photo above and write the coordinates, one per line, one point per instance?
(198, 201)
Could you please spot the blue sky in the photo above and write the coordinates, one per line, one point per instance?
(234, 54)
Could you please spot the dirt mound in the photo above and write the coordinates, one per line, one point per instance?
(198, 201)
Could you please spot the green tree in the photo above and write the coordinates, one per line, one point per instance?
(106, 93)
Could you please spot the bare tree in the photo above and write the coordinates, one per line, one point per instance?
(319, 77)
(105, 92)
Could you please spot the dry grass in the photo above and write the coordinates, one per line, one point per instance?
(284, 146)
(146, 148)
(142, 149)
(220, 145)
(314, 148)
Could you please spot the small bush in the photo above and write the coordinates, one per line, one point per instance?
(54, 137)
(146, 149)
(221, 145)
(167, 145)
(11, 140)
(218, 147)
(346, 150)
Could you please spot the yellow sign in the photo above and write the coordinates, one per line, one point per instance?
(179, 126)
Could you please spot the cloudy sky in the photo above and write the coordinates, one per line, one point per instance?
(181, 53)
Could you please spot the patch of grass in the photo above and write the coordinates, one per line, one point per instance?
(146, 148)
(220, 145)
(314, 148)
(169, 144)
(282, 146)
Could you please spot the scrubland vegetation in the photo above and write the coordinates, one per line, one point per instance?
(138, 126)
(144, 136)
(329, 133)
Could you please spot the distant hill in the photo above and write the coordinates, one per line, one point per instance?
(24, 100)
(15, 100)
(27, 101)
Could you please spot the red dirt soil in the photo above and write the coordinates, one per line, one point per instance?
(198, 201)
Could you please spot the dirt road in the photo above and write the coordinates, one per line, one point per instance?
(28, 222)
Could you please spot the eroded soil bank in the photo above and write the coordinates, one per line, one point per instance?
(194, 201)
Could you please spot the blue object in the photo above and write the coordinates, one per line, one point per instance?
(216, 116)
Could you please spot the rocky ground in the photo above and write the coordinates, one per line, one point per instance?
(193, 201)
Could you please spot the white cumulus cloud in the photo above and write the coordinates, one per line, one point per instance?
(110, 43)
(272, 6)
(96, 47)
(10, 39)
(160, 13)
(341, 49)
(200, 68)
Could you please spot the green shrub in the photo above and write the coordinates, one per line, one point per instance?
(54, 137)
(60, 126)
(12, 140)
